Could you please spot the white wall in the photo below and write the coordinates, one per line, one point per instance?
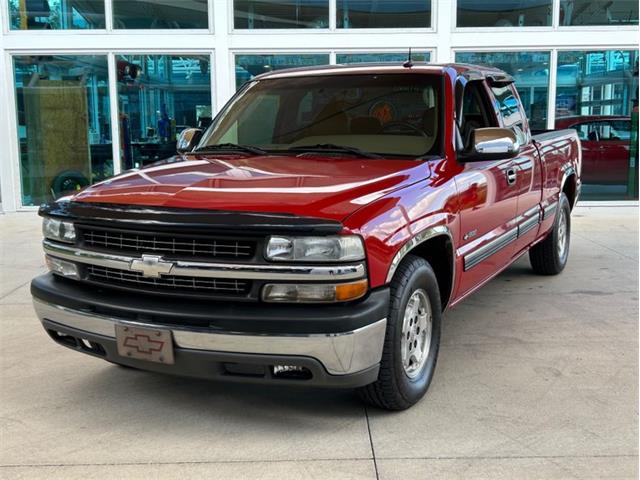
(222, 42)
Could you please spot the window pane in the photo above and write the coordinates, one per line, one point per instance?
(160, 14)
(248, 66)
(384, 13)
(599, 12)
(159, 96)
(595, 95)
(55, 14)
(64, 126)
(507, 13)
(384, 114)
(281, 14)
(531, 73)
(399, 57)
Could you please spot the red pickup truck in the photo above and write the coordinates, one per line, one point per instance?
(315, 232)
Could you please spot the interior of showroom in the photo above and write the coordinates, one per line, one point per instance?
(96, 87)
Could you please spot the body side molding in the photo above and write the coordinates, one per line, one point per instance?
(494, 246)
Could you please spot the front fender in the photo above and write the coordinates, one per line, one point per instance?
(396, 223)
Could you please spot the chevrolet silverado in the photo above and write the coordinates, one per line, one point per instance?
(315, 232)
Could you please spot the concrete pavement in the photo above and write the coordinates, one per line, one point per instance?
(537, 378)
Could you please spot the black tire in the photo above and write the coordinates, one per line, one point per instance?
(67, 182)
(546, 257)
(395, 389)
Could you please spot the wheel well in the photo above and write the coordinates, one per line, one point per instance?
(569, 189)
(438, 251)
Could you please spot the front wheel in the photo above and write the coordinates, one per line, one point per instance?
(412, 338)
(550, 256)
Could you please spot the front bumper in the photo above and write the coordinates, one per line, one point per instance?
(345, 357)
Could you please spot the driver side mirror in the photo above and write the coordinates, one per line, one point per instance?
(491, 144)
(188, 139)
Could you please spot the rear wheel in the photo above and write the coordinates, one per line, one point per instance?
(412, 338)
(550, 256)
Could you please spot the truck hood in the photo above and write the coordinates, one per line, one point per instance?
(313, 186)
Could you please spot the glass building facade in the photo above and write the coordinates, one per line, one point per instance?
(383, 14)
(158, 97)
(249, 66)
(531, 73)
(267, 14)
(64, 131)
(160, 14)
(597, 95)
(505, 13)
(56, 15)
(96, 87)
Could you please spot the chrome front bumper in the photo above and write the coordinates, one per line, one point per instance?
(341, 353)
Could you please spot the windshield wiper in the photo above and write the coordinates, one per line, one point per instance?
(330, 147)
(232, 147)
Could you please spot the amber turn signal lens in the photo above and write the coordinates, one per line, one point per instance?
(314, 292)
(351, 291)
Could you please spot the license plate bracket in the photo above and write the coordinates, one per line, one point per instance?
(143, 343)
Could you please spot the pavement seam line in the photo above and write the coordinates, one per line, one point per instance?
(178, 462)
(604, 246)
(15, 290)
(373, 451)
(209, 462)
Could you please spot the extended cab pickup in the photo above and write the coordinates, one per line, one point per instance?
(315, 232)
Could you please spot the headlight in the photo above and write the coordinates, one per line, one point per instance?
(314, 293)
(58, 230)
(62, 267)
(339, 248)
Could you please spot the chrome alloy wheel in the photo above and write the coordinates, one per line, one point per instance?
(563, 236)
(416, 333)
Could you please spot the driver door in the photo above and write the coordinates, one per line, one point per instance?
(488, 200)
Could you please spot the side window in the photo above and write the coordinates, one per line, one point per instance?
(511, 111)
(474, 111)
(619, 130)
(583, 130)
(604, 131)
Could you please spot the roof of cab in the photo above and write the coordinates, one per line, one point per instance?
(471, 72)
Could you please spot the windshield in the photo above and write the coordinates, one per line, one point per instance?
(390, 114)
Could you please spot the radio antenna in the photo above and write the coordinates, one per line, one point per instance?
(408, 63)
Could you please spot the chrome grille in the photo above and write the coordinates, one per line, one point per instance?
(167, 244)
(166, 283)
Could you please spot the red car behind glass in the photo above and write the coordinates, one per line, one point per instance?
(605, 146)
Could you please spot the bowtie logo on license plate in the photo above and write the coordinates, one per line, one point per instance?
(151, 266)
(143, 343)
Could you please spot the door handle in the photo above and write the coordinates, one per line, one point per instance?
(511, 176)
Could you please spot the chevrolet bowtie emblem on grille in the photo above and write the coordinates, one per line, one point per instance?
(151, 266)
